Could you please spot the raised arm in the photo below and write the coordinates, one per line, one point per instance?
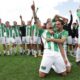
(34, 11)
(71, 18)
(21, 19)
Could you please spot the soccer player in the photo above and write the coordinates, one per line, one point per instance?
(23, 35)
(35, 34)
(52, 53)
(67, 27)
(75, 37)
(11, 39)
(17, 38)
(28, 37)
(2, 26)
(36, 38)
(6, 40)
(62, 38)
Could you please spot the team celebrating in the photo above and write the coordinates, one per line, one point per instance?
(53, 41)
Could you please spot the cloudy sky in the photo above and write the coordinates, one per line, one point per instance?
(11, 9)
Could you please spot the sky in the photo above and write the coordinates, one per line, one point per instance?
(10, 10)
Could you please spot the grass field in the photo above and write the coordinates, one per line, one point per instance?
(26, 68)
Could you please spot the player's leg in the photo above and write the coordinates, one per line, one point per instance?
(58, 60)
(31, 41)
(4, 49)
(39, 46)
(70, 44)
(4, 46)
(45, 65)
(28, 45)
(35, 46)
(19, 44)
(8, 45)
(11, 45)
(15, 45)
(23, 44)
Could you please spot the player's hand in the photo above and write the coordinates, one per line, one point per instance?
(48, 39)
(70, 11)
(20, 16)
(51, 32)
(33, 6)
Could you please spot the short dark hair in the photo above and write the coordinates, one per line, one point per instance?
(61, 21)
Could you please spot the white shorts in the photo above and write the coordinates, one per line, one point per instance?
(35, 39)
(18, 40)
(52, 58)
(5, 40)
(28, 39)
(74, 41)
(23, 40)
(69, 40)
(39, 40)
(0, 40)
(11, 40)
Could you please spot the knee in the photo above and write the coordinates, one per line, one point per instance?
(68, 69)
(42, 75)
(64, 73)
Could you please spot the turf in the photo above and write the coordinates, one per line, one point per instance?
(26, 68)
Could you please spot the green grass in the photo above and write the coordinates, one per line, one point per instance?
(26, 68)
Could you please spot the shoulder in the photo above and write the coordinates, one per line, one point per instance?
(64, 32)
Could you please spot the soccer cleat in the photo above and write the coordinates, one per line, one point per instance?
(35, 55)
(21, 54)
(15, 54)
(78, 63)
(24, 53)
(39, 54)
(30, 52)
(5, 54)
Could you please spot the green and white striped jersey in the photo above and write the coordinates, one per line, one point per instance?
(63, 34)
(35, 30)
(9, 32)
(50, 45)
(17, 31)
(28, 30)
(2, 29)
